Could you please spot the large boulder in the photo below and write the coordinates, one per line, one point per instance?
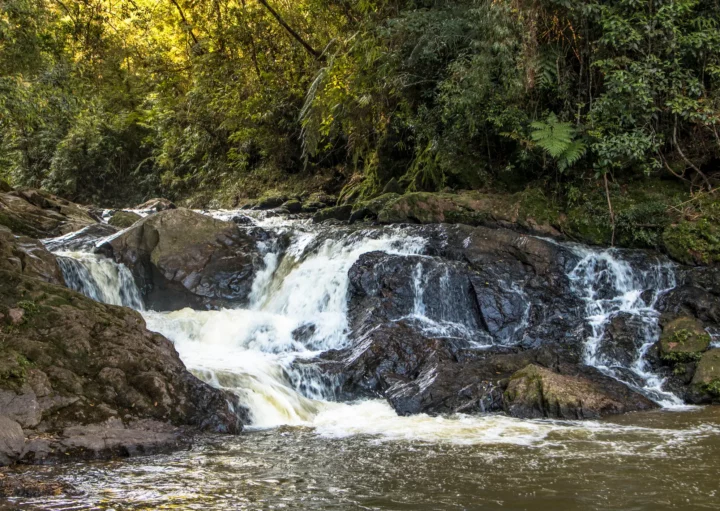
(537, 392)
(185, 259)
(501, 287)
(87, 378)
(28, 256)
(40, 214)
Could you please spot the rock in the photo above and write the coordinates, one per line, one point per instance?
(386, 287)
(16, 316)
(242, 220)
(371, 209)
(74, 362)
(341, 213)
(28, 256)
(536, 392)
(509, 289)
(156, 205)
(185, 259)
(271, 201)
(40, 214)
(621, 341)
(293, 206)
(318, 201)
(84, 240)
(124, 219)
(692, 301)
(12, 440)
(683, 340)
(5, 187)
(527, 211)
(707, 375)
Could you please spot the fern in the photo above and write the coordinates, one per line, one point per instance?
(557, 139)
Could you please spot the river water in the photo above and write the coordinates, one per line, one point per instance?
(306, 451)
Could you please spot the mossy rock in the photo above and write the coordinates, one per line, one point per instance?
(537, 392)
(693, 243)
(707, 374)
(293, 206)
(683, 340)
(371, 208)
(4, 186)
(13, 368)
(271, 200)
(529, 210)
(124, 219)
(341, 213)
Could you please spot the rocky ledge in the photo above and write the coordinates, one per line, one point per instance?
(81, 379)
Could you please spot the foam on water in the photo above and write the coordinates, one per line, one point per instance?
(298, 308)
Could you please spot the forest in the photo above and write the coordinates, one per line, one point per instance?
(114, 101)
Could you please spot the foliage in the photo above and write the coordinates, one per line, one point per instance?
(117, 101)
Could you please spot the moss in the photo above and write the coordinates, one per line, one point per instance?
(124, 219)
(713, 388)
(13, 369)
(683, 340)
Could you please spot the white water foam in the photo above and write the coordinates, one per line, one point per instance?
(609, 286)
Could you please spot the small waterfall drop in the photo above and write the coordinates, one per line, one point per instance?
(609, 286)
(100, 278)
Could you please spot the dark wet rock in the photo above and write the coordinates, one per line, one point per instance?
(691, 301)
(71, 362)
(40, 214)
(506, 287)
(242, 220)
(386, 287)
(293, 206)
(29, 257)
(84, 240)
(185, 259)
(157, 204)
(624, 336)
(341, 213)
(537, 392)
(124, 219)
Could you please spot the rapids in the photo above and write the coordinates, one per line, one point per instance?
(304, 286)
(304, 450)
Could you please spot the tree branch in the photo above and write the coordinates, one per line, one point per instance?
(312, 51)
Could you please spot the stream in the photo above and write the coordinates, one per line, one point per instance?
(306, 450)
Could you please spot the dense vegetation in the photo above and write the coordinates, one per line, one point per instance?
(114, 101)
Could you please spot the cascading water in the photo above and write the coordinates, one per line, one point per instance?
(610, 285)
(298, 308)
(99, 278)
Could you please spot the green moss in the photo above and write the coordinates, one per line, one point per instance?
(13, 369)
(683, 340)
(124, 219)
(713, 388)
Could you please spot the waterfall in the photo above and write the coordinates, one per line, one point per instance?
(99, 278)
(298, 308)
(609, 285)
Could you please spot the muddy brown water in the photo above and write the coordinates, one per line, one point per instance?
(643, 461)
